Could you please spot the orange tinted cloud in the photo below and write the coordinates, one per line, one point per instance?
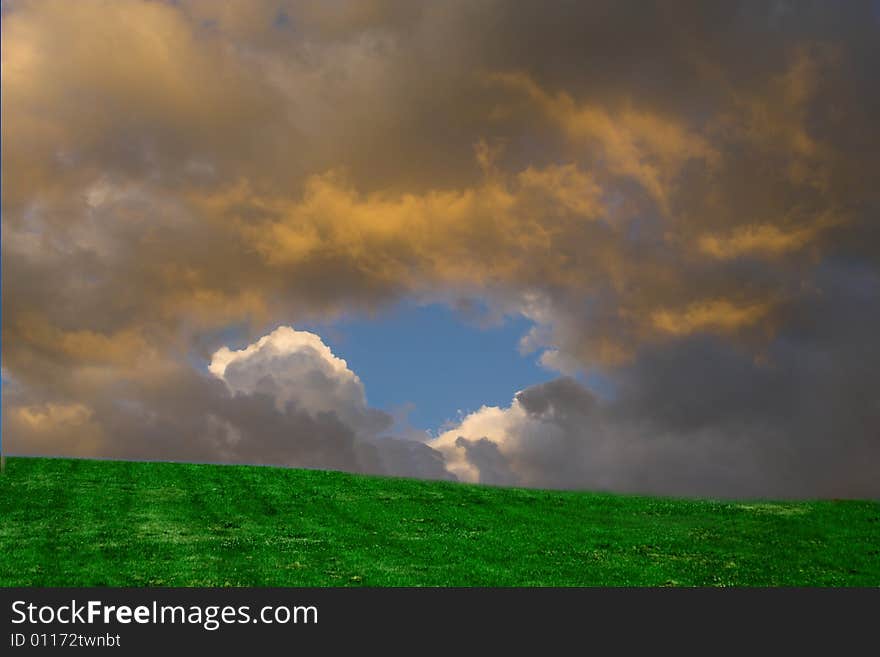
(717, 315)
(640, 144)
(764, 239)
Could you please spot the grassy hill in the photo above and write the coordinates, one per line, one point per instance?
(75, 522)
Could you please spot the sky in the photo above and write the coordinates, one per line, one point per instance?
(471, 364)
(625, 246)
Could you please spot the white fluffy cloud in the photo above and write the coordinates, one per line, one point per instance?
(296, 367)
(498, 426)
(300, 373)
(549, 436)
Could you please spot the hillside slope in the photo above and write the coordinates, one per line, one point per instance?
(76, 522)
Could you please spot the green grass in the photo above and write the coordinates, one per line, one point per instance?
(87, 523)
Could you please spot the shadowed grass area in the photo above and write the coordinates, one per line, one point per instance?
(88, 523)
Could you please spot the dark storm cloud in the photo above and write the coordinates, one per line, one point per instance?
(704, 417)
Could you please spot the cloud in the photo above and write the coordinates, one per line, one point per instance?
(545, 438)
(283, 400)
(649, 148)
(52, 428)
(245, 165)
(630, 182)
(296, 367)
(708, 316)
(763, 240)
(703, 417)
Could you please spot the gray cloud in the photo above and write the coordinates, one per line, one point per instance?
(704, 417)
(491, 464)
(297, 406)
